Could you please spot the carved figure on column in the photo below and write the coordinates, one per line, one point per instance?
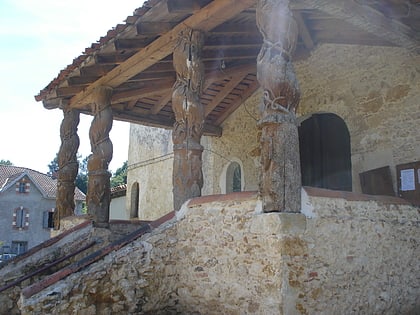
(68, 166)
(189, 117)
(98, 196)
(280, 178)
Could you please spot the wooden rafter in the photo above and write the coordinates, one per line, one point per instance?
(205, 19)
(223, 93)
(239, 100)
(369, 20)
(303, 31)
(132, 94)
(161, 103)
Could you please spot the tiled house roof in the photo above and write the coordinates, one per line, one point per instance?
(9, 175)
(118, 191)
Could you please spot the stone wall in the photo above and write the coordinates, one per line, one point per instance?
(150, 163)
(376, 90)
(238, 143)
(344, 254)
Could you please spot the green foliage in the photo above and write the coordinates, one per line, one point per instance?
(53, 166)
(5, 162)
(120, 176)
(82, 177)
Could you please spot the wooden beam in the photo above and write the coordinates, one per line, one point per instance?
(155, 121)
(69, 90)
(215, 13)
(77, 80)
(120, 97)
(211, 77)
(369, 20)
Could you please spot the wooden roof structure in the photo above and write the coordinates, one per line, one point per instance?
(135, 58)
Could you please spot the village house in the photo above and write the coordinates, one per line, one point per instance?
(27, 204)
(281, 175)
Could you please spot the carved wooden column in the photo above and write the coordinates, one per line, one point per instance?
(189, 116)
(68, 166)
(98, 195)
(280, 177)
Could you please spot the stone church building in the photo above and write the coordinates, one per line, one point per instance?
(285, 148)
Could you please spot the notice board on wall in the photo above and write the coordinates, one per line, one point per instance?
(408, 176)
(377, 182)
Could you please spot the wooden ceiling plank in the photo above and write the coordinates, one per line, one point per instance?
(223, 93)
(129, 44)
(183, 6)
(130, 104)
(155, 121)
(154, 28)
(232, 107)
(369, 20)
(131, 94)
(161, 103)
(212, 15)
(79, 80)
(303, 31)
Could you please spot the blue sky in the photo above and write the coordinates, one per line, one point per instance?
(37, 40)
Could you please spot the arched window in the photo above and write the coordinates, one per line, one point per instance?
(134, 211)
(233, 178)
(325, 154)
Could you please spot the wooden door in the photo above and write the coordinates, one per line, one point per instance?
(325, 155)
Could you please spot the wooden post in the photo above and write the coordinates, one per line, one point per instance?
(280, 177)
(98, 196)
(189, 116)
(68, 166)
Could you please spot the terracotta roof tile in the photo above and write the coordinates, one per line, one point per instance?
(48, 185)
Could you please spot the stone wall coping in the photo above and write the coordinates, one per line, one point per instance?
(311, 191)
(235, 196)
(352, 196)
(51, 241)
(86, 261)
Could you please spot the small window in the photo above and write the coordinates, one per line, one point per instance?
(22, 187)
(48, 219)
(233, 178)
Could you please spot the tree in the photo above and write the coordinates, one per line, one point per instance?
(53, 166)
(5, 162)
(81, 178)
(120, 175)
(118, 178)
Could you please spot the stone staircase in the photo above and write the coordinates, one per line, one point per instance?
(64, 254)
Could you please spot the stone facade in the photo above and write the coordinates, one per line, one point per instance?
(375, 90)
(150, 163)
(221, 255)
